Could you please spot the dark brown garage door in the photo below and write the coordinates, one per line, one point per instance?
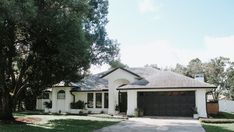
(173, 103)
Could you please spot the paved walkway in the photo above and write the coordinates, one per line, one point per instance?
(152, 124)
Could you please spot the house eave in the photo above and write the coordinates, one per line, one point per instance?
(121, 69)
(101, 90)
(161, 88)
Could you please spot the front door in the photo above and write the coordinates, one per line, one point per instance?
(123, 102)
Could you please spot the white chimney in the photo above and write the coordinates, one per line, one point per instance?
(199, 77)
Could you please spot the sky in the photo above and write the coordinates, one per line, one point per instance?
(167, 32)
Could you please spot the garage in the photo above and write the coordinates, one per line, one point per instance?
(168, 103)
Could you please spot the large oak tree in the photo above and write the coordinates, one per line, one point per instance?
(45, 41)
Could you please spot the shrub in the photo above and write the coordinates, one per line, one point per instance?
(78, 105)
(139, 112)
(195, 110)
(48, 104)
(116, 108)
(217, 120)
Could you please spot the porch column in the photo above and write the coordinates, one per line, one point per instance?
(132, 102)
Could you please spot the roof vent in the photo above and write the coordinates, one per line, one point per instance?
(199, 77)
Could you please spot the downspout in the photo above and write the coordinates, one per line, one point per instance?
(74, 97)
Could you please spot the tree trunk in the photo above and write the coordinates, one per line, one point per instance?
(6, 108)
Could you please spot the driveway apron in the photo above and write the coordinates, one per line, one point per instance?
(152, 124)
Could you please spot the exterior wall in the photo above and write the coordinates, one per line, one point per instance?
(200, 96)
(132, 102)
(62, 105)
(80, 96)
(226, 106)
(200, 99)
(40, 104)
(83, 97)
(115, 79)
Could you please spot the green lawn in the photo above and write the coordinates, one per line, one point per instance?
(225, 127)
(68, 125)
(220, 127)
(25, 113)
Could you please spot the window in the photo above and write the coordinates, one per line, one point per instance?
(98, 100)
(106, 100)
(90, 100)
(61, 94)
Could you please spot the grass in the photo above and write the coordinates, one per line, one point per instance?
(223, 115)
(210, 127)
(24, 113)
(68, 125)
(220, 127)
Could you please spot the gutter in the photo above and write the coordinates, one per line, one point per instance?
(148, 88)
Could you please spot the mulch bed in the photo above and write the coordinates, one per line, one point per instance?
(28, 120)
(21, 120)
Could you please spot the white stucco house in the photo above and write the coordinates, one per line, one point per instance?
(156, 92)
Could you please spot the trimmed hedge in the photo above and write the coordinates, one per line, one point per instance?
(217, 120)
(78, 105)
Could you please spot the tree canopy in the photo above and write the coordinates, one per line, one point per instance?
(45, 41)
(117, 63)
(218, 71)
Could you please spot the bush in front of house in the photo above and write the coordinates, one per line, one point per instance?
(78, 105)
(139, 112)
(48, 105)
(211, 120)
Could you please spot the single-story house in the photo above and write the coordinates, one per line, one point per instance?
(156, 92)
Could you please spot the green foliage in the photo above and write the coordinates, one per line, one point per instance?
(180, 69)
(230, 81)
(68, 125)
(215, 127)
(48, 104)
(78, 105)
(139, 112)
(195, 110)
(222, 115)
(117, 63)
(208, 120)
(116, 107)
(218, 71)
(46, 41)
(194, 67)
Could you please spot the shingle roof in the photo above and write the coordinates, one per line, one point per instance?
(148, 78)
(92, 82)
(154, 78)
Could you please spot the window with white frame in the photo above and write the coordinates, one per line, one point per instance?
(61, 94)
(98, 100)
(90, 100)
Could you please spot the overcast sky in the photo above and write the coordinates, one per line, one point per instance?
(167, 32)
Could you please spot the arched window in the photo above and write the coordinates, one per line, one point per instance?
(61, 94)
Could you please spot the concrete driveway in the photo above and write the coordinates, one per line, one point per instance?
(154, 124)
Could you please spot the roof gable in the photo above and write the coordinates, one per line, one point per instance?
(113, 70)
